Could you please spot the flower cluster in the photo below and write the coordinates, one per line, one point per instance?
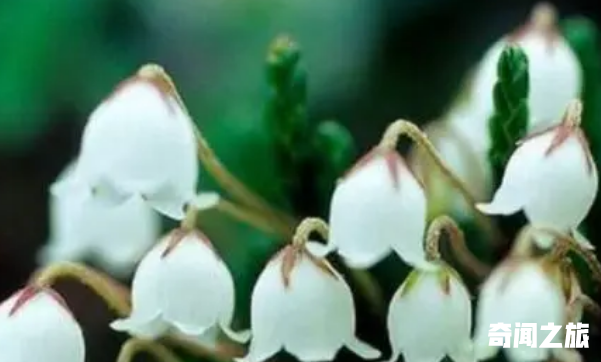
(140, 155)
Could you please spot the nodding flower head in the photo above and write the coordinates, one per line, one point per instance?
(181, 284)
(431, 303)
(554, 70)
(115, 238)
(552, 177)
(140, 142)
(36, 325)
(378, 207)
(301, 304)
(518, 291)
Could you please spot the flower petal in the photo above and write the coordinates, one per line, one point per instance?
(521, 177)
(369, 215)
(142, 328)
(362, 349)
(566, 188)
(41, 330)
(192, 283)
(268, 313)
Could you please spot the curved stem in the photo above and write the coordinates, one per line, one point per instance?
(564, 244)
(306, 227)
(457, 240)
(406, 128)
(208, 158)
(114, 295)
(249, 217)
(133, 346)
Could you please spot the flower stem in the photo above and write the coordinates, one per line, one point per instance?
(306, 227)
(369, 287)
(403, 127)
(133, 346)
(115, 295)
(457, 240)
(213, 165)
(250, 217)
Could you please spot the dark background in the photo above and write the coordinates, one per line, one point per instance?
(369, 62)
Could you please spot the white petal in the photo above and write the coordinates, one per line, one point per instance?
(362, 349)
(421, 309)
(268, 313)
(146, 309)
(142, 328)
(206, 200)
(318, 249)
(521, 177)
(139, 140)
(322, 317)
(566, 189)
(194, 283)
(519, 293)
(40, 330)
(369, 216)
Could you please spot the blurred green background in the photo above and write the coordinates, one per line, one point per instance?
(367, 62)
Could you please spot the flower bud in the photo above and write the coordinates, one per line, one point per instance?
(378, 207)
(36, 325)
(554, 71)
(518, 291)
(431, 306)
(116, 238)
(182, 283)
(301, 304)
(140, 142)
(552, 177)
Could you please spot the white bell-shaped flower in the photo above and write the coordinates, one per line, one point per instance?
(377, 208)
(301, 304)
(36, 325)
(432, 306)
(552, 177)
(115, 238)
(518, 291)
(554, 70)
(140, 142)
(181, 284)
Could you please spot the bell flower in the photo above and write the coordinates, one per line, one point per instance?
(432, 306)
(518, 292)
(552, 177)
(377, 207)
(301, 304)
(115, 238)
(183, 285)
(36, 325)
(554, 70)
(139, 143)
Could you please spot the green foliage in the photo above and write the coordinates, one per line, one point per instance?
(509, 122)
(583, 37)
(334, 151)
(310, 159)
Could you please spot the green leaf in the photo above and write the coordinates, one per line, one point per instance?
(509, 122)
(333, 152)
(583, 36)
(286, 113)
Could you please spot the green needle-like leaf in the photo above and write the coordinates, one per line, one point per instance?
(286, 112)
(509, 122)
